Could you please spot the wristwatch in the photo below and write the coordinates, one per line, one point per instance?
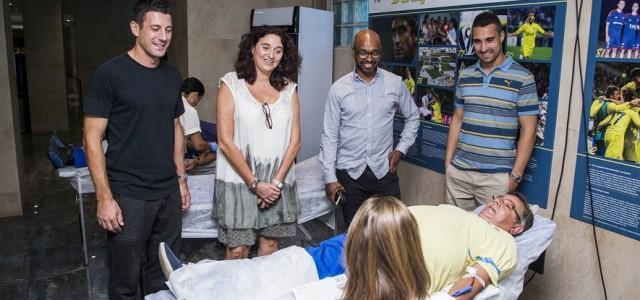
(253, 185)
(515, 178)
(277, 183)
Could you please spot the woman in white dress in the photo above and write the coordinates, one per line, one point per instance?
(258, 126)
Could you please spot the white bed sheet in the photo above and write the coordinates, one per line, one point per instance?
(199, 221)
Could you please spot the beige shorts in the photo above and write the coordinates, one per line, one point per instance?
(470, 189)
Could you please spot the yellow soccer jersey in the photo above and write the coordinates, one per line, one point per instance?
(437, 112)
(618, 124)
(611, 107)
(529, 32)
(632, 145)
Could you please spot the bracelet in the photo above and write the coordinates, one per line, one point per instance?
(182, 177)
(253, 186)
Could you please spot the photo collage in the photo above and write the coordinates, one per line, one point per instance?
(614, 113)
(428, 49)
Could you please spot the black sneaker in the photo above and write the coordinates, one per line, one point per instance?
(169, 262)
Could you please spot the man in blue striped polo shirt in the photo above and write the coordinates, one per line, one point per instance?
(495, 104)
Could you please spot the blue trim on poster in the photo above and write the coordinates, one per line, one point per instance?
(615, 185)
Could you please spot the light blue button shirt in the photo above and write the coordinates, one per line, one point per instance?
(358, 124)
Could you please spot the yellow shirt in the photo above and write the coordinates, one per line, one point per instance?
(453, 239)
(611, 108)
(619, 122)
(529, 32)
(437, 112)
(411, 85)
(632, 145)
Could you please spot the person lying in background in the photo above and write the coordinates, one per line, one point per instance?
(199, 151)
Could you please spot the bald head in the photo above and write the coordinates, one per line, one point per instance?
(366, 36)
(366, 53)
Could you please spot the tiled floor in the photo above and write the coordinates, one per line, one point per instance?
(41, 253)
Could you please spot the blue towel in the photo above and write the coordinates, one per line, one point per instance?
(328, 256)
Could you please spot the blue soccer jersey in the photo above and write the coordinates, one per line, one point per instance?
(629, 33)
(615, 21)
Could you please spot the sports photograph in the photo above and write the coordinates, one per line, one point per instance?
(408, 75)
(618, 36)
(614, 120)
(438, 29)
(437, 66)
(541, 72)
(435, 105)
(530, 33)
(399, 37)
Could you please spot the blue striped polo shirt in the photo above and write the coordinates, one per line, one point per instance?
(492, 104)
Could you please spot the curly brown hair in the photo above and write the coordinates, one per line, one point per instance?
(287, 70)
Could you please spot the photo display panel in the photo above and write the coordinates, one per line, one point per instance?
(440, 32)
(607, 179)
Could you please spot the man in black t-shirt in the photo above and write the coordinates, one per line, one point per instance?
(134, 101)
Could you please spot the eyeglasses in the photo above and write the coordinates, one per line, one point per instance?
(506, 202)
(267, 115)
(364, 53)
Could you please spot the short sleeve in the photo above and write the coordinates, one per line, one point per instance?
(291, 88)
(496, 252)
(527, 103)
(101, 95)
(178, 109)
(231, 81)
(190, 121)
(458, 101)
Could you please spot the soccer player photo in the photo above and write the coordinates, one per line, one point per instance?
(437, 66)
(541, 72)
(399, 37)
(619, 34)
(530, 33)
(435, 105)
(614, 124)
(407, 74)
(438, 29)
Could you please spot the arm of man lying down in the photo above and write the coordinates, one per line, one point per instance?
(470, 284)
(467, 287)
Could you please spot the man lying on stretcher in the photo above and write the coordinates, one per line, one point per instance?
(463, 252)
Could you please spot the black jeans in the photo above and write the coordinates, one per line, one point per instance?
(133, 252)
(356, 191)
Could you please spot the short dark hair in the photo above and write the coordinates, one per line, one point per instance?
(286, 71)
(487, 18)
(191, 85)
(411, 22)
(142, 7)
(527, 215)
(635, 72)
(610, 90)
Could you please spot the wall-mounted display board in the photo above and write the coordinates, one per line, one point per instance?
(607, 180)
(428, 42)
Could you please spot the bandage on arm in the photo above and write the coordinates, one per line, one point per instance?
(475, 280)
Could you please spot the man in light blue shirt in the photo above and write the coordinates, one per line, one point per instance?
(356, 150)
